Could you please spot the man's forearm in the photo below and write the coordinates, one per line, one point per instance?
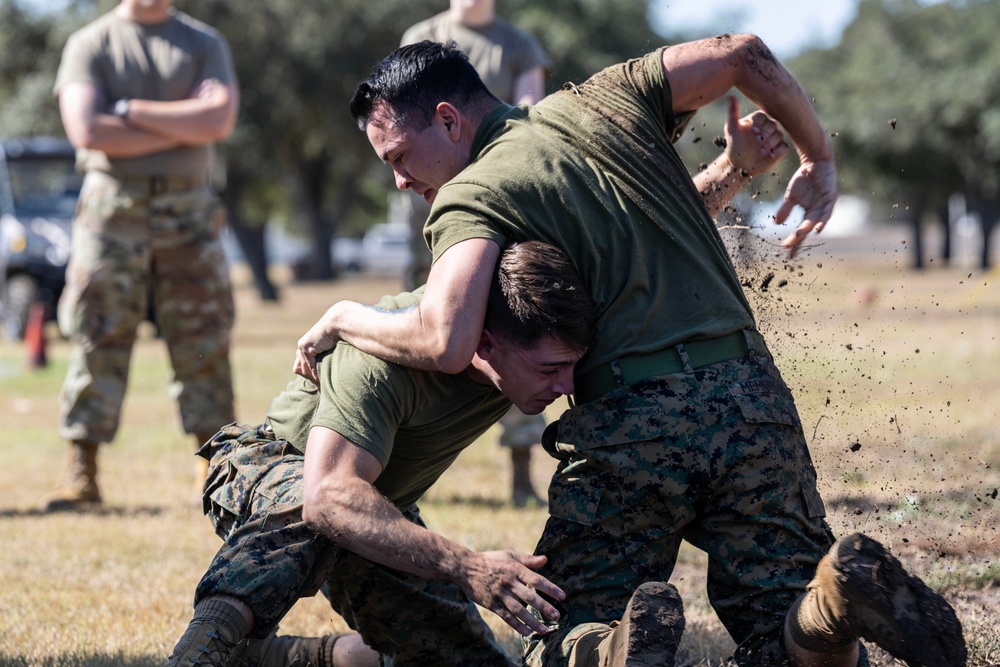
(115, 138)
(719, 182)
(192, 121)
(355, 516)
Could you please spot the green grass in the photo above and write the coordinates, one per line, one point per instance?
(115, 587)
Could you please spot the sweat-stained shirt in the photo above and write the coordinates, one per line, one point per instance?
(592, 170)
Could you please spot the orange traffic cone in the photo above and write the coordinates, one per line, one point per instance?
(34, 336)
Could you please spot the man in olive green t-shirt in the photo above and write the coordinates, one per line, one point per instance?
(324, 493)
(683, 428)
(512, 64)
(144, 93)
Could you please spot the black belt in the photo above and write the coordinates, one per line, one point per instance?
(683, 357)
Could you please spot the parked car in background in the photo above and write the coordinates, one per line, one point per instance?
(385, 248)
(39, 187)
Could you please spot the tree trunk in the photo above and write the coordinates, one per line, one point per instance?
(916, 218)
(250, 238)
(944, 216)
(988, 218)
(312, 179)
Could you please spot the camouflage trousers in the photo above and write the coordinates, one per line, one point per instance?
(271, 559)
(715, 456)
(138, 246)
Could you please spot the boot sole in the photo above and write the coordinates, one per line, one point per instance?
(919, 626)
(651, 628)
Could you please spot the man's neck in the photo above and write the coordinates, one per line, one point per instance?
(478, 15)
(146, 15)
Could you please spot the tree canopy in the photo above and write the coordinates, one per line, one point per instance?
(912, 101)
(909, 96)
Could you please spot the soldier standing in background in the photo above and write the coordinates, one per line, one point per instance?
(144, 91)
(513, 65)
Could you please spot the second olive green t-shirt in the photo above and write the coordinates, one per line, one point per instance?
(414, 422)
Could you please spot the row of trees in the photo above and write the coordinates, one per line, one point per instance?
(910, 96)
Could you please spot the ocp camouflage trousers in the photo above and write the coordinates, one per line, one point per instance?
(132, 245)
(271, 559)
(715, 456)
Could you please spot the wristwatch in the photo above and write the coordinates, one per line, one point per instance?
(121, 108)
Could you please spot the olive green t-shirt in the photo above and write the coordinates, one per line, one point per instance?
(164, 62)
(592, 170)
(414, 422)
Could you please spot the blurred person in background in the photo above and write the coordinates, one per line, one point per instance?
(144, 92)
(513, 65)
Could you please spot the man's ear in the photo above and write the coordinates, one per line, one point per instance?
(450, 118)
(487, 345)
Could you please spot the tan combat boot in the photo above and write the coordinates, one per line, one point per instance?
(647, 636)
(861, 590)
(279, 651)
(79, 489)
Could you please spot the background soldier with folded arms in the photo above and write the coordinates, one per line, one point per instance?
(144, 91)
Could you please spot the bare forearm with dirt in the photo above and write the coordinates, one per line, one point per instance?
(701, 72)
(753, 144)
(341, 504)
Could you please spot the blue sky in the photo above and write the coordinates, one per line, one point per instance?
(787, 26)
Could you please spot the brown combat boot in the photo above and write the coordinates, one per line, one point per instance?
(79, 489)
(860, 590)
(647, 636)
(279, 651)
(212, 636)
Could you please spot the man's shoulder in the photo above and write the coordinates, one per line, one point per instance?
(435, 28)
(97, 29)
(198, 28)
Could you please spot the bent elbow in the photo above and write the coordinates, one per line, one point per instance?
(82, 137)
(453, 357)
(312, 516)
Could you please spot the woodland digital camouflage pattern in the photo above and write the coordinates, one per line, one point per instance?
(135, 240)
(270, 559)
(716, 457)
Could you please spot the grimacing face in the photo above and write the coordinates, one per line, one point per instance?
(533, 377)
(421, 160)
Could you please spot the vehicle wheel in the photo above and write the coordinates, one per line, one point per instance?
(22, 290)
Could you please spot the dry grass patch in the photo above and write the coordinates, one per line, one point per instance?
(906, 444)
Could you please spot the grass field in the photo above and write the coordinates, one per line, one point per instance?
(895, 374)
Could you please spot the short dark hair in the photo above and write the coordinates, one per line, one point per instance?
(536, 292)
(413, 79)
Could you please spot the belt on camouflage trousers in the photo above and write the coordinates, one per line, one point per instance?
(682, 357)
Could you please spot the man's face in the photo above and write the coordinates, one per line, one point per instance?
(532, 377)
(422, 160)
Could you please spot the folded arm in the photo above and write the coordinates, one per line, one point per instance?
(701, 72)
(152, 126)
(342, 504)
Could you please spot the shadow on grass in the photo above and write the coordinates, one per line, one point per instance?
(472, 501)
(83, 660)
(113, 512)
